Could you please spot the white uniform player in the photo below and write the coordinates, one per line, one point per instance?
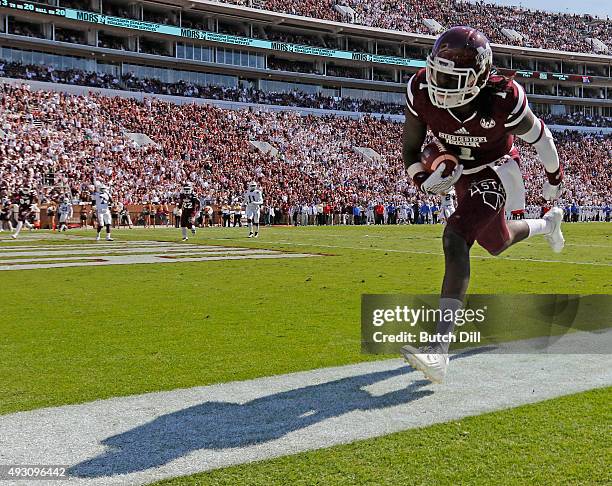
(65, 213)
(447, 206)
(102, 200)
(253, 199)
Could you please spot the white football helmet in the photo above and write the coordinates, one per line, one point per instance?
(252, 185)
(188, 189)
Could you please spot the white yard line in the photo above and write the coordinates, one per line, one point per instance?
(423, 252)
(142, 438)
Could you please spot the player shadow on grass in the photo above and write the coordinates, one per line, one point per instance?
(224, 425)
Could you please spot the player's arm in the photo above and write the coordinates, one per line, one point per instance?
(533, 131)
(413, 137)
(259, 201)
(412, 141)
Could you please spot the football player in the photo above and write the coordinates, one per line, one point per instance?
(477, 116)
(189, 205)
(102, 201)
(447, 207)
(25, 199)
(64, 212)
(5, 210)
(253, 199)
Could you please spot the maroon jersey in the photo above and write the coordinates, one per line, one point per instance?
(479, 139)
(188, 203)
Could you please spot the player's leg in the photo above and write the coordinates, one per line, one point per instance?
(99, 226)
(17, 229)
(249, 215)
(480, 211)
(433, 360)
(184, 226)
(256, 223)
(549, 226)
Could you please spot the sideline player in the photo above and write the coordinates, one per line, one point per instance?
(447, 206)
(253, 200)
(5, 210)
(476, 116)
(25, 199)
(189, 204)
(102, 201)
(65, 213)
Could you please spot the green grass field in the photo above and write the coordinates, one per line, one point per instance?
(73, 335)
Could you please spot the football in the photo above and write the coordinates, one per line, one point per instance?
(434, 154)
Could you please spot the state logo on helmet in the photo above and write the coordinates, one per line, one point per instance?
(458, 67)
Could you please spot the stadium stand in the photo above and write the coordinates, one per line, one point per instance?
(536, 28)
(58, 140)
(296, 98)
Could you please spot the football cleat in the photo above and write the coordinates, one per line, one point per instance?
(256, 235)
(185, 239)
(193, 231)
(14, 236)
(433, 364)
(555, 238)
(98, 238)
(250, 235)
(108, 238)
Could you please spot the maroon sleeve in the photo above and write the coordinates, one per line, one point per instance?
(515, 104)
(415, 92)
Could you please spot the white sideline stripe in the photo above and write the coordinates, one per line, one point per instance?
(167, 434)
(146, 259)
(422, 252)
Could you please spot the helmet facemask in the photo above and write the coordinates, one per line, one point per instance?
(450, 86)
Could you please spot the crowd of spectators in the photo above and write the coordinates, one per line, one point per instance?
(241, 94)
(59, 142)
(537, 28)
(578, 119)
(155, 86)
